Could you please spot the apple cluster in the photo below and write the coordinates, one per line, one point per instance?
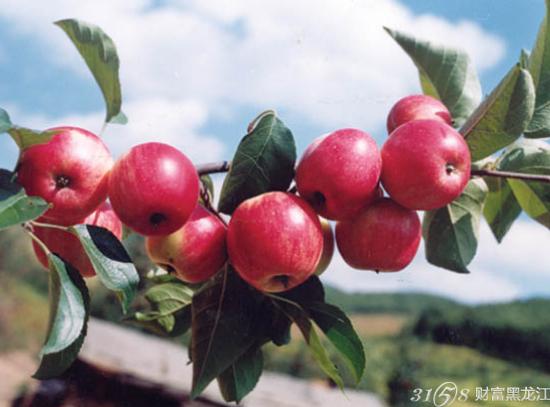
(275, 240)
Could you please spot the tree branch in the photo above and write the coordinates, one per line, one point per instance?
(212, 168)
(514, 175)
(223, 166)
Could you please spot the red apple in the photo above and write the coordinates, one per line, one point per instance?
(338, 173)
(274, 241)
(195, 252)
(328, 247)
(417, 107)
(70, 172)
(154, 188)
(426, 164)
(67, 245)
(383, 237)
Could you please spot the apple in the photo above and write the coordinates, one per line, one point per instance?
(70, 171)
(328, 247)
(426, 164)
(338, 173)
(274, 241)
(194, 252)
(67, 245)
(417, 107)
(383, 237)
(154, 188)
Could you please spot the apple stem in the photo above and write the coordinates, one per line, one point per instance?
(212, 168)
(514, 175)
(49, 225)
(208, 205)
(103, 128)
(28, 228)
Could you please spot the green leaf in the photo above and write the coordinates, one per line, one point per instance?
(242, 376)
(69, 312)
(451, 233)
(264, 162)
(5, 121)
(532, 196)
(301, 318)
(110, 260)
(173, 325)
(25, 138)
(224, 319)
(539, 65)
(338, 329)
(167, 299)
(501, 207)
(15, 206)
(99, 52)
(445, 73)
(503, 116)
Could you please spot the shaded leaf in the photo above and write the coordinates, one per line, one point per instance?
(301, 318)
(99, 52)
(539, 66)
(5, 122)
(264, 162)
(242, 376)
(110, 260)
(445, 73)
(501, 207)
(532, 196)
(15, 206)
(24, 138)
(503, 116)
(338, 329)
(451, 233)
(224, 318)
(69, 313)
(309, 291)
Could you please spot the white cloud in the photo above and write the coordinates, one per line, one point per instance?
(177, 123)
(522, 252)
(329, 62)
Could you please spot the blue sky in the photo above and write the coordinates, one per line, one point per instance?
(194, 73)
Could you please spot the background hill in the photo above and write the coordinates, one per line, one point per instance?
(411, 340)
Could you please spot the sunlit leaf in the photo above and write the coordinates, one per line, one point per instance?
(99, 52)
(110, 260)
(445, 73)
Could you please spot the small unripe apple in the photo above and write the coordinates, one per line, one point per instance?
(417, 107)
(194, 252)
(328, 247)
(274, 241)
(67, 245)
(154, 188)
(338, 173)
(384, 237)
(70, 171)
(426, 164)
